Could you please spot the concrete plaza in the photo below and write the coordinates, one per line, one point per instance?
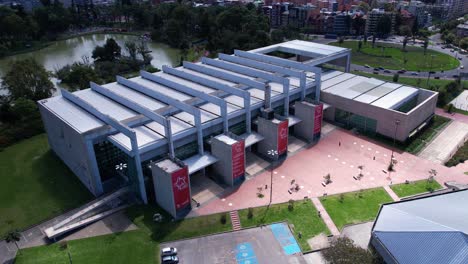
(339, 153)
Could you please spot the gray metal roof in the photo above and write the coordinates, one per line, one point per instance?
(427, 230)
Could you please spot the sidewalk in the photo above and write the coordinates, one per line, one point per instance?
(325, 217)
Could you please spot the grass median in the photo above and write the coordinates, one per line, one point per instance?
(413, 188)
(355, 207)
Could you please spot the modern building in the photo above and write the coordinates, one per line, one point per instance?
(432, 229)
(373, 18)
(462, 30)
(156, 131)
(455, 8)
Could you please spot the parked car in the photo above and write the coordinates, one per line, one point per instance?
(381, 68)
(414, 73)
(459, 58)
(437, 77)
(168, 251)
(462, 67)
(387, 71)
(455, 76)
(376, 69)
(400, 72)
(432, 72)
(442, 47)
(170, 260)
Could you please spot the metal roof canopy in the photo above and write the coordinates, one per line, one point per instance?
(267, 67)
(255, 73)
(171, 101)
(120, 127)
(285, 63)
(216, 85)
(140, 109)
(228, 76)
(182, 88)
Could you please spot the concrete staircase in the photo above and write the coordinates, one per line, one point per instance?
(235, 221)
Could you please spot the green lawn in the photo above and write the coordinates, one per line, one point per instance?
(128, 247)
(304, 217)
(416, 82)
(354, 209)
(392, 57)
(139, 246)
(417, 187)
(35, 185)
(460, 156)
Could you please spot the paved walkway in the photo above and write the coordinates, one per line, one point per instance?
(454, 116)
(391, 193)
(325, 217)
(308, 166)
(444, 145)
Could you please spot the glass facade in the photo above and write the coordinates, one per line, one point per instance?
(353, 121)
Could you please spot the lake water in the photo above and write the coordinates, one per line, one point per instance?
(64, 52)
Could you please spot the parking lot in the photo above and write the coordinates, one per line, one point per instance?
(273, 244)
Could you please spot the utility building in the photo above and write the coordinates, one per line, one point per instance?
(156, 131)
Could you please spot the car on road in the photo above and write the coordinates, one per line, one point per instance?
(455, 76)
(452, 50)
(376, 69)
(387, 71)
(381, 68)
(432, 72)
(442, 47)
(462, 67)
(170, 260)
(437, 77)
(414, 73)
(367, 66)
(375, 72)
(400, 71)
(168, 251)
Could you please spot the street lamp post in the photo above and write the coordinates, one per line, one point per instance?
(397, 122)
(272, 153)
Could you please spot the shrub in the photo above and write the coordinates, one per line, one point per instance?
(250, 213)
(291, 205)
(341, 198)
(223, 218)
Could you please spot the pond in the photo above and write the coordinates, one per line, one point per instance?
(64, 52)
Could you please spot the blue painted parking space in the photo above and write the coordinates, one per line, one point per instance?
(285, 238)
(245, 254)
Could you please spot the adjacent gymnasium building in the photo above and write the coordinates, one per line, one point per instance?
(153, 131)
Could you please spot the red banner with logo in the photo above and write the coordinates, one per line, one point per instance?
(283, 137)
(318, 118)
(238, 159)
(181, 188)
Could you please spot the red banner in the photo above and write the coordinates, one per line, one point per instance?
(181, 188)
(238, 159)
(318, 118)
(283, 137)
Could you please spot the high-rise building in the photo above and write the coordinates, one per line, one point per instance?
(455, 8)
(373, 18)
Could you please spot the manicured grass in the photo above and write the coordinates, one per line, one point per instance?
(393, 58)
(354, 209)
(417, 187)
(304, 217)
(139, 246)
(142, 216)
(35, 185)
(128, 247)
(460, 156)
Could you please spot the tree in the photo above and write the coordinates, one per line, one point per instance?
(396, 76)
(450, 38)
(464, 43)
(343, 251)
(78, 75)
(364, 6)
(405, 30)
(384, 25)
(373, 40)
(28, 79)
(426, 44)
(109, 52)
(277, 35)
(13, 237)
(131, 49)
(405, 42)
(359, 45)
(24, 109)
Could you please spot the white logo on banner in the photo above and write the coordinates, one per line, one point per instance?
(284, 132)
(181, 183)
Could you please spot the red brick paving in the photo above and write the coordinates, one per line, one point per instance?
(309, 166)
(455, 116)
